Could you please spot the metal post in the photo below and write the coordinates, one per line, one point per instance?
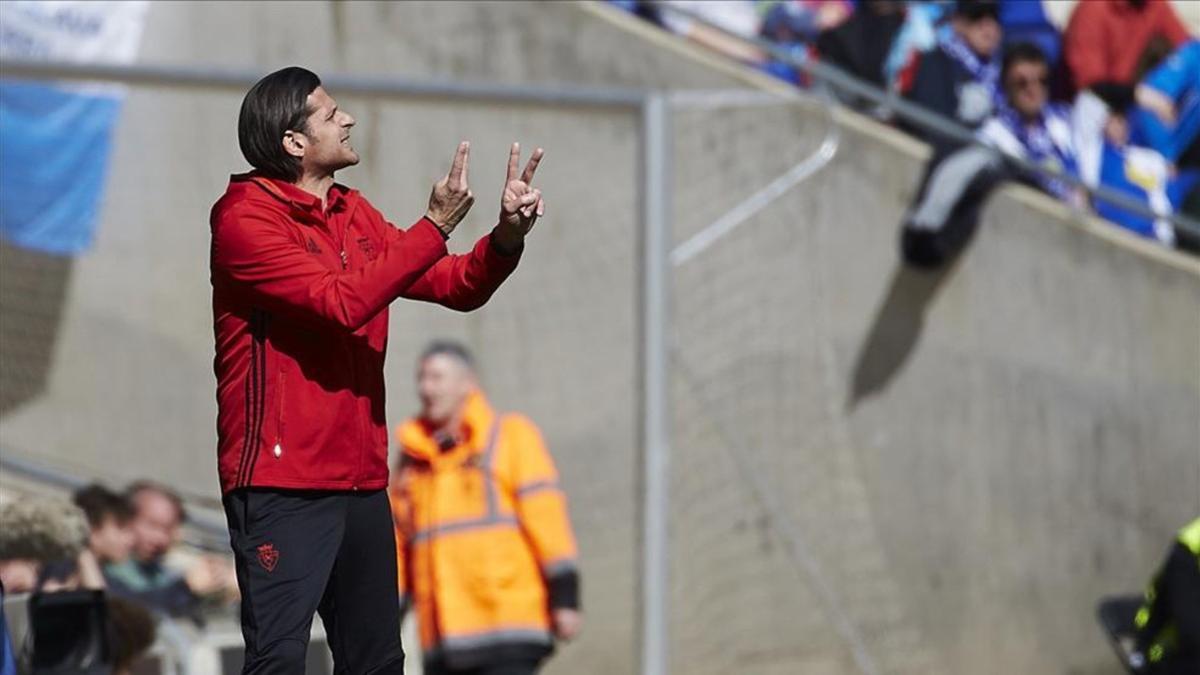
(656, 411)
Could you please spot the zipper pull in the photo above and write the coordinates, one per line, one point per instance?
(345, 260)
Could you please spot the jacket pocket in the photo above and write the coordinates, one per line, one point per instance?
(280, 400)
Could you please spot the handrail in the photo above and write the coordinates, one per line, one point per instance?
(212, 529)
(347, 84)
(927, 119)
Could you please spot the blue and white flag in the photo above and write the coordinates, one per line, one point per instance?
(55, 139)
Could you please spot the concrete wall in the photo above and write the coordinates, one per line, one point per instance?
(965, 460)
(961, 462)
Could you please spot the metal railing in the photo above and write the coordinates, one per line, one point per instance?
(203, 530)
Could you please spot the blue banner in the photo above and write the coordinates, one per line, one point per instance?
(55, 140)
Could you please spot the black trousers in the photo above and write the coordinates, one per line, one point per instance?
(303, 551)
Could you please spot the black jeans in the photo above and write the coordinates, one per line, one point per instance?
(303, 551)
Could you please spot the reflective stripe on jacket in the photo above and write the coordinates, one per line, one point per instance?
(484, 544)
(1158, 634)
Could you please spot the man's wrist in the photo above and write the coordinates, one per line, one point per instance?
(445, 231)
(563, 591)
(505, 242)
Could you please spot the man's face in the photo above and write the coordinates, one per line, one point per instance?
(981, 34)
(325, 143)
(443, 384)
(1027, 87)
(155, 526)
(112, 540)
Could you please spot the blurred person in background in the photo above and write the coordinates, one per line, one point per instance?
(960, 78)
(1109, 157)
(303, 270)
(131, 633)
(860, 45)
(716, 18)
(1168, 623)
(1026, 126)
(486, 551)
(35, 533)
(1029, 126)
(1168, 97)
(109, 517)
(144, 577)
(1105, 40)
(924, 24)
(795, 25)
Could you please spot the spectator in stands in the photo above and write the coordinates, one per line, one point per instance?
(924, 23)
(109, 516)
(795, 24)
(737, 17)
(480, 489)
(158, 515)
(1105, 40)
(131, 632)
(1169, 100)
(1027, 127)
(1107, 157)
(34, 533)
(861, 44)
(960, 78)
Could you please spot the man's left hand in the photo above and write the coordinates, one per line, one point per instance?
(521, 204)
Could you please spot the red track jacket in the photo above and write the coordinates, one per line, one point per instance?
(300, 316)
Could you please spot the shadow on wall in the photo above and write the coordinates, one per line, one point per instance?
(895, 331)
(928, 257)
(33, 291)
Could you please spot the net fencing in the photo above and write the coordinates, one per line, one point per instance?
(774, 563)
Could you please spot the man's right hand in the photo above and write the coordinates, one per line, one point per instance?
(451, 198)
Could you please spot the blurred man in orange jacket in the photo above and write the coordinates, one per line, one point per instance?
(484, 545)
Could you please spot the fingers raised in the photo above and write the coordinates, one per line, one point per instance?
(514, 159)
(458, 170)
(532, 166)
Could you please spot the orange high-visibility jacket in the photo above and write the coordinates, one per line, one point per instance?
(484, 544)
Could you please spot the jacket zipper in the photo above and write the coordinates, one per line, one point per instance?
(354, 368)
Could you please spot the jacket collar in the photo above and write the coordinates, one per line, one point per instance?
(339, 195)
(417, 437)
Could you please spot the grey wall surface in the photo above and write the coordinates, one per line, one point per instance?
(957, 465)
(963, 461)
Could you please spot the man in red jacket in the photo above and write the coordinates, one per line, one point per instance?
(303, 271)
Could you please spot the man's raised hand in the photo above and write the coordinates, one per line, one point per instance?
(520, 204)
(451, 197)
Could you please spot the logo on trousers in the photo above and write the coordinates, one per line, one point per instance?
(268, 557)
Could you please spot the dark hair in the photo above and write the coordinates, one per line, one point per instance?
(276, 104)
(138, 487)
(974, 10)
(455, 350)
(1021, 52)
(131, 631)
(98, 503)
